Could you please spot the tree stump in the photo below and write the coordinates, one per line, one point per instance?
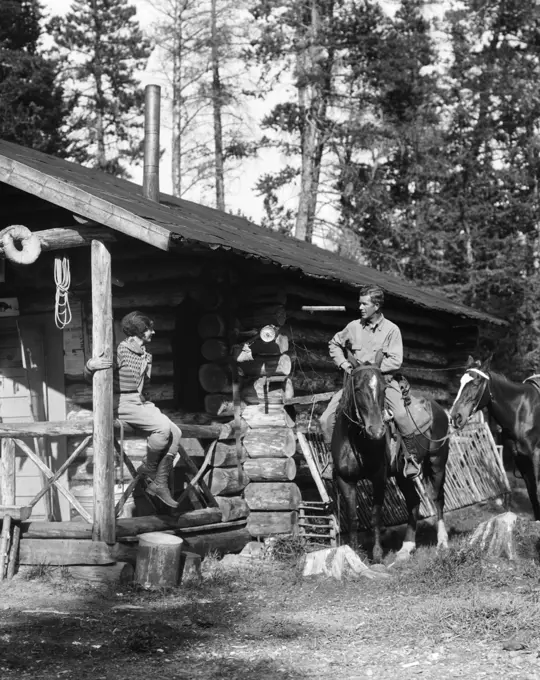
(508, 536)
(337, 563)
(158, 560)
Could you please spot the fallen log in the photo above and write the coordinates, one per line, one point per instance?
(199, 517)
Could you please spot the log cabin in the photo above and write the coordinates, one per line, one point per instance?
(237, 355)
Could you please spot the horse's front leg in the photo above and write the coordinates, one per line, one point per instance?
(412, 499)
(379, 484)
(348, 489)
(438, 476)
(525, 464)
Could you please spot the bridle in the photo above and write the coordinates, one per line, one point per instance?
(481, 393)
(360, 422)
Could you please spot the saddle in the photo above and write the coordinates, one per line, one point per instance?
(534, 380)
(418, 408)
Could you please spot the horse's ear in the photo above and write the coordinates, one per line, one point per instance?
(487, 363)
(470, 362)
(379, 356)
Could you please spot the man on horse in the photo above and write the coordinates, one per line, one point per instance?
(364, 338)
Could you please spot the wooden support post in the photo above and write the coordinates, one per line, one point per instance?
(7, 481)
(104, 528)
(7, 471)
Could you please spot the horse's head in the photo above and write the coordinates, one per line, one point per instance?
(363, 399)
(473, 393)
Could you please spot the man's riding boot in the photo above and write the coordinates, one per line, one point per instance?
(411, 468)
(160, 486)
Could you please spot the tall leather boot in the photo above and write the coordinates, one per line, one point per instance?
(149, 466)
(160, 486)
(411, 468)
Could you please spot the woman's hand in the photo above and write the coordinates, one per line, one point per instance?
(99, 363)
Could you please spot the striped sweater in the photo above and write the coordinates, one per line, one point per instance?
(131, 369)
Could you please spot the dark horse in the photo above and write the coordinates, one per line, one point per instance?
(360, 450)
(515, 407)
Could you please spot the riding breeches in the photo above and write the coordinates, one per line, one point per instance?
(163, 435)
(393, 401)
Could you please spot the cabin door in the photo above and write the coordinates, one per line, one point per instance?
(28, 358)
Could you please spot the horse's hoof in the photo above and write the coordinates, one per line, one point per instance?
(407, 549)
(442, 546)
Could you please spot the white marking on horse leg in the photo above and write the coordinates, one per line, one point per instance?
(442, 535)
(406, 551)
(465, 378)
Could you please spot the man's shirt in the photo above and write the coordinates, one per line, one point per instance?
(365, 340)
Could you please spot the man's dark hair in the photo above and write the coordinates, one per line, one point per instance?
(136, 323)
(376, 294)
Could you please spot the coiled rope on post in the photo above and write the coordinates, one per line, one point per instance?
(62, 279)
(19, 244)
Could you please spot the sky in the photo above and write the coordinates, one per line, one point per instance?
(240, 191)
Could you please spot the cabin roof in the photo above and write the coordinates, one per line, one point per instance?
(120, 204)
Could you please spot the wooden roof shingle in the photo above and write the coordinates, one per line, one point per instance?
(120, 204)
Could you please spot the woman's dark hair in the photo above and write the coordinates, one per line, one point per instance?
(136, 323)
(376, 294)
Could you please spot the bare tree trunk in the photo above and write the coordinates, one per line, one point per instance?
(314, 82)
(176, 162)
(98, 76)
(217, 105)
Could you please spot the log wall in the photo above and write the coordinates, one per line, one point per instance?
(222, 301)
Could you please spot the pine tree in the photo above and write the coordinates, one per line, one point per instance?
(31, 106)
(103, 48)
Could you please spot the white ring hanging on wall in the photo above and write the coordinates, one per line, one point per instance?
(19, 244)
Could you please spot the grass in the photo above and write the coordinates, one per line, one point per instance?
(265, 620)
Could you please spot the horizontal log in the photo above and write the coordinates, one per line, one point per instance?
(162, 368)
(312, 358)
(200, 517)
(268, 365)
(128, 526)
(232, 508)
(275, 315)
(226, 481)
(221, 405)
(208, 298)
(79, 393)
(120, 573)
(61, 238)
(120, 301)
(270, 442)
(16, 512)
(278, 496)
(214, 349)
(211, 325)
(63, 551)
(156, 269)
(225, 454)
(419, 376)
(220, 541)
(266, 294)
(259, 416)
(315, 382)
(47, 428)
(300, 334)
(261, 524)
(270, 469)
(215, 378)
(308, 399)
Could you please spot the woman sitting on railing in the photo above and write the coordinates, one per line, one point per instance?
(131, 375)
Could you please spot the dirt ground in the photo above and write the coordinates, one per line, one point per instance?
(457, 617)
